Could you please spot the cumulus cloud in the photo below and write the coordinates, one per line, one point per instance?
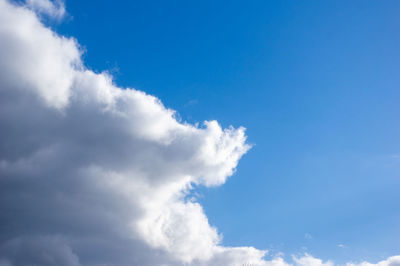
(307, 260)
(392, 261)
(95, 175)
(44, 251)
(87, 167)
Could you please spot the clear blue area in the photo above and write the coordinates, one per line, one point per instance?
(316, 84)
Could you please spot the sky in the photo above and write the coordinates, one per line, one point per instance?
(91, 163)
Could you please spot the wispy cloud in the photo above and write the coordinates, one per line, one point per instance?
(54, 9)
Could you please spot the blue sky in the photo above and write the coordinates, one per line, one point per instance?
(93, 172)
(315, 83)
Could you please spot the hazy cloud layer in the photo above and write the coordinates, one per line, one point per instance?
(92, 174)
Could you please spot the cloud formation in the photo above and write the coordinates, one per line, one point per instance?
(55, 10)
(95, 175)
(392, 261)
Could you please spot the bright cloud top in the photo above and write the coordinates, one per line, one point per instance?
(92, 174)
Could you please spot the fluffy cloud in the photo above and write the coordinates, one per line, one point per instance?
(95, 175)
(307, 260)
(87, 167)
(392, 261)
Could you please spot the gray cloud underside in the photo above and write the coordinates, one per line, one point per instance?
(92, 174)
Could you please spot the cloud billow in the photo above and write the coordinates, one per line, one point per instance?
(92, 174)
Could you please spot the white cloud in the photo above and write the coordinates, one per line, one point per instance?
(308, 260)
(392, 261)
(92, 174)
(34, 58)
(54, 9)
(97, 164)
